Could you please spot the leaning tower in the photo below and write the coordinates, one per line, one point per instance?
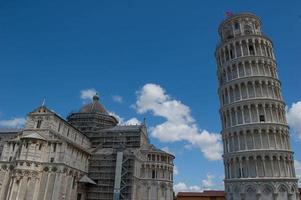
(258, 160)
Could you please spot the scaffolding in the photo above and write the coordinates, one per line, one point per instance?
(111, 165)
(113, 174)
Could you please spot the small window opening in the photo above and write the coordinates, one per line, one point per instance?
(229, 37)
(73, 183)
(261, 118)
(39, 123)
(54, 147)
(40, 146)
(223, 99)
(153, 174)
(251, 49)
(231, 54)
(52, 160)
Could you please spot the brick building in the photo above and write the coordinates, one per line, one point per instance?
(206, 195)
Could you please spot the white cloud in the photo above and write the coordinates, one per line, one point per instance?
(119, 119)
(117, 98)
(294, 117)
(211, 182)
(182, 187)
(188, 146)
(179, 124)
(175, 170)
(87, 94)
(13, 123)
(298, 171)
(132, 121)
(122, 121)
(208, 182)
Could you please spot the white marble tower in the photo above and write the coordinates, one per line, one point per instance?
(258, 160)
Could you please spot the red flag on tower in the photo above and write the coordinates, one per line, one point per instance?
(228, 14)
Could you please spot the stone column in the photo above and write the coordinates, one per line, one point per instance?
(50, 186)
(272, 165)
(22, 187)
(241, 48)
(36, 188)
(260, 48)
(5, 185)
(243, 115)
(10, 188)
(260, 135)
(235, 51)
(248, 50)
(246, 144)
(256, 168)
(249, 110)
(264, 167)
(254, 47)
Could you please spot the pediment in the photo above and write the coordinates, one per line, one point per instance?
(33, 135)
(42, 110)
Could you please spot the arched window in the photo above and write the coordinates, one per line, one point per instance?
(256, 26)
(228, 34)
(267, 192)
(251, 193)
(236, 26)
(39, 123)
(283, 194)
(247, 29)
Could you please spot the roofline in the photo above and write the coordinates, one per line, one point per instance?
(56, 115)
(157, 150)
(98, 113)
(160, 151)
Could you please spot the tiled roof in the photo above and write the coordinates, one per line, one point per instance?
(93, 107)
(86, 179)
(206, 193)
(9, 130)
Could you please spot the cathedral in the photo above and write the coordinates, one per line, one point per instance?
(89, 156)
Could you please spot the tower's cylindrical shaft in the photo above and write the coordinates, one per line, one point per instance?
(257, 156)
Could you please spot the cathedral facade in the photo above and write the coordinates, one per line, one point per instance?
(89, 156)
(258, 159)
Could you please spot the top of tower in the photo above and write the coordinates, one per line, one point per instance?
(94, 106)
(243, 23)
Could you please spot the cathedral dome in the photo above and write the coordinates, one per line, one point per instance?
(94, 107)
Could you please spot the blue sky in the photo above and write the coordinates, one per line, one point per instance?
(59, 48)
